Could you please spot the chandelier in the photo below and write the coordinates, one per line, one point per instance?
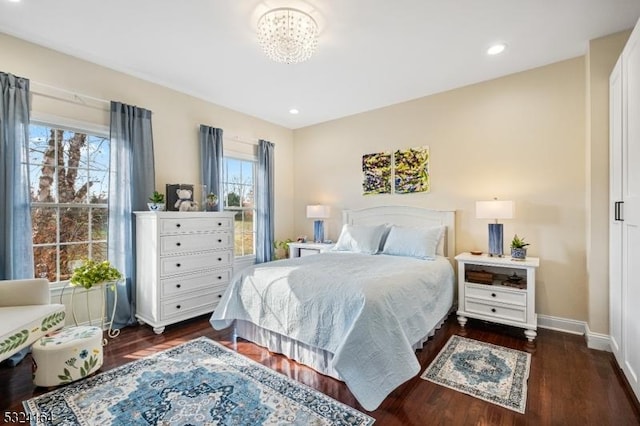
(287, 35)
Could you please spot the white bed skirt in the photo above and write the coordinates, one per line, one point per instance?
(316, 358)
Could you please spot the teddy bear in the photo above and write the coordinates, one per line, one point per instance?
(185, 203)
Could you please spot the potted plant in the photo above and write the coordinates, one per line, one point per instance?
(157, 202)
(91, 273)
(282, 248)
(518, 248)
(211, 202)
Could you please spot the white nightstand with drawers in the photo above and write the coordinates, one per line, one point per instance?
(306, 249)
(184, 262)
(498, 289)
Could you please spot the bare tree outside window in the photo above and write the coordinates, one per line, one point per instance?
(69, 177)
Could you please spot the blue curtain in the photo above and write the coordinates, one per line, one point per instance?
(264, 202)
(16, 243)
(211, 161)
(131, 181)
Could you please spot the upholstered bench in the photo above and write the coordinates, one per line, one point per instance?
(66, 356)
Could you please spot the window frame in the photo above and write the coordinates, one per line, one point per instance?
(56, 122)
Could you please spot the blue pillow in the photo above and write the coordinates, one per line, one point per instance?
(421, 243)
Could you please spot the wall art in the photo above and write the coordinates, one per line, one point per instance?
(376, 171)
(411, 170)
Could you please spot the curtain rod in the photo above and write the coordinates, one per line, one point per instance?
(56, 93)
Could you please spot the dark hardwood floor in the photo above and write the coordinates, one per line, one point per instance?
(569, 384)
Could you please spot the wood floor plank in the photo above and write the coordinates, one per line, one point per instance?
(569, 384)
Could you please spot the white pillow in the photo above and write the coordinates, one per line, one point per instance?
(360, 239)
(421, 243)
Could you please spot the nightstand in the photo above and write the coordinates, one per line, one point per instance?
(498, 289)
(306, 249)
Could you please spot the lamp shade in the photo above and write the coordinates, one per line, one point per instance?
(318, 211)
(494, 209)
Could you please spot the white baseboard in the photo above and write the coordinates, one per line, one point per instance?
(597, 341)
(594, 340)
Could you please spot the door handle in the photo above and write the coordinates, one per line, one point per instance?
(617, 211)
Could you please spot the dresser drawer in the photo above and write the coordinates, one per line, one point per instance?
(202, 302)
(194, 224)
(185, 243)
(172, 265)
(513, 313)
(178, 286)
(490, 294)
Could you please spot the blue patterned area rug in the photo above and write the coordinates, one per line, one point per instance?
(199, 382)
(488, 372)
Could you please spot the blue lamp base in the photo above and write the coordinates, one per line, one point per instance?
(318, 231)
(495, 239)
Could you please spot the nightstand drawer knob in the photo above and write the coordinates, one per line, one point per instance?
(493, 310)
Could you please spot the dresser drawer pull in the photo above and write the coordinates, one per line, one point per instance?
(219, 296)
(493, 295)
(219, 259)
(219, 240)
(219, 223)
(219, 277)
(493, 310)
(178, 285)
(177, 225)
(177, 265)
(178, 306)
(178, 244)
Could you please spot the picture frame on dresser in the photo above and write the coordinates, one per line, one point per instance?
(184, 263)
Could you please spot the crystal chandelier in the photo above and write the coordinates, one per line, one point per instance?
(287, 35)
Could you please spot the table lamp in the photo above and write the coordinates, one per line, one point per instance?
(318, 212)
(495, 209)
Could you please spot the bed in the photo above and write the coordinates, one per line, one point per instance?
(356, 313)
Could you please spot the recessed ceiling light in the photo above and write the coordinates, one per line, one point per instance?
(14, 1)
(293, 111)
(496, 49)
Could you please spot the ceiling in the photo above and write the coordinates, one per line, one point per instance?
(371, 53)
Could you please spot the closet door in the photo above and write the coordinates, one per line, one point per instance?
(615, 207)
(631, 210)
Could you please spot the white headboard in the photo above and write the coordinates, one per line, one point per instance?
(407, 216)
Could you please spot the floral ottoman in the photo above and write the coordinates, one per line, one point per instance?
(66, 356)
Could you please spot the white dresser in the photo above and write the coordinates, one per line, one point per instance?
(184, 263)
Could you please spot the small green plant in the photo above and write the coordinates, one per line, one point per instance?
(157, 198)
(91, 273)
(518, 242)
(282, 245)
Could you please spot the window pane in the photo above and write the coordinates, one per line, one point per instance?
(45, 261)
(99, 251)
(99, 188)
(98, 148)
(69, 255)
(74, 224)
(43, 184)
(99, 224)
(238, 225)
(44, 222)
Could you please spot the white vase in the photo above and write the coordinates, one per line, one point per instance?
(156, 207)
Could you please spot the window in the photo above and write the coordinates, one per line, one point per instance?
(69, 178)
(238, 189)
